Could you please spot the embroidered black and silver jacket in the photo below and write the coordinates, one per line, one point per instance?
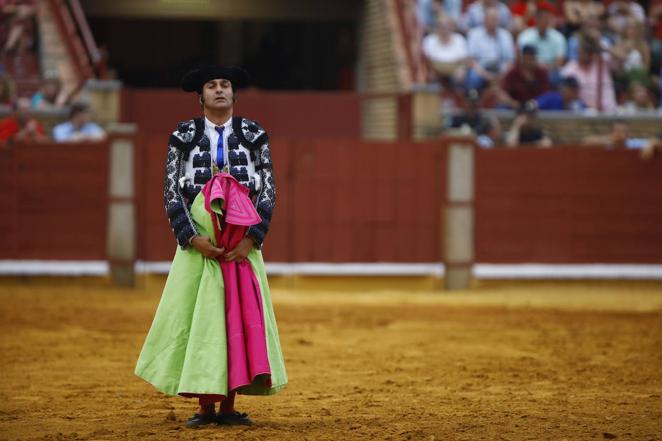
(189, 167)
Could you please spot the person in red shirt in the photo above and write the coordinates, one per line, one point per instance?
(524, 14)
(655, 18)
(526, 79)
(21, 126)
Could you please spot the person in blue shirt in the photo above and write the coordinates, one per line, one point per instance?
(79, 127)
(566, 98)
(430, 11)
(491, 51)
(477, 10)
(46, 96)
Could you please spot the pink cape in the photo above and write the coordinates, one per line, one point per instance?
(244, 316)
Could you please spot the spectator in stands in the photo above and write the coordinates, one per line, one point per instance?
(20, 35)
(578, 12)
(446, 50)
(494, 96)
(638, 100)
(452, 9)
(593, 71)
(526, 129)
(428, 12)
(622, 11)
(21, 126)
(79, 127)
(632, 54)
(471, 118)
(619, 139)
(566, 98)
(526, 79)
(7, 89)
(523, 14)
(550, 44)
(491, 51)
(46, 96)
(477, 11)
(487, 129)
(655, 15)
(590, 30)
(492, 135)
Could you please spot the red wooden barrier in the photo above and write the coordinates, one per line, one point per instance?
(55, 199)
(9, 199)
(349, 201)
(568, 205)
(366, 202)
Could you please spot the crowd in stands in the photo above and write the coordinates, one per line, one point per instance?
(569, 55)
(18, 38)
(614, 52)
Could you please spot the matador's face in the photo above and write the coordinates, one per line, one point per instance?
(217, 94)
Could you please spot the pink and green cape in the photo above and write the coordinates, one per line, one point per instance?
(198, 344)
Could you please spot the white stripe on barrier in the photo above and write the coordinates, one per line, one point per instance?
(567, 271)
(356, 269)
(152, 267)
(54, 267)
(483, 271)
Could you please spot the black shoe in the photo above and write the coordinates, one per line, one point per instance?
(234, 419)
(199, 419)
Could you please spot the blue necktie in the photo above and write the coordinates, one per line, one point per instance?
(219, 148)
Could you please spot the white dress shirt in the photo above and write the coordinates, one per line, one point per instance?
(212, 134)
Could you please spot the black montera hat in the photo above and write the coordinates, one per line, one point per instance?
(195, 79)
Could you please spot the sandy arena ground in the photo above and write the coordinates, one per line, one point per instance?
(534, 361)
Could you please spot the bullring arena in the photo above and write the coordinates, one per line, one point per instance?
(512, 361)
(466, 243)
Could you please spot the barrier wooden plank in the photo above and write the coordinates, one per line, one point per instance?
(156, 241)
(568, 205)
(366, 202)
(59, 207)
(8, 227)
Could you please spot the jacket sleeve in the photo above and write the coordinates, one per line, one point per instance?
(266, 197)
(177, 211)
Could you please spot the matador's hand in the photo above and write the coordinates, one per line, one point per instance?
(206, 248)
(240, 253)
